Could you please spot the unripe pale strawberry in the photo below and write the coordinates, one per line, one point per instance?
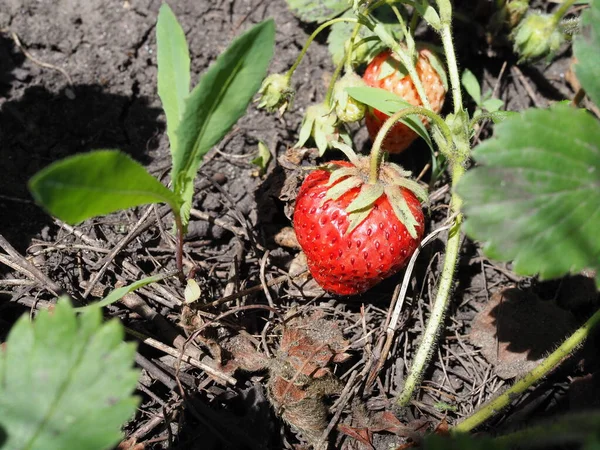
(387, 72)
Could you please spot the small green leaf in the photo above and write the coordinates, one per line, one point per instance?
(536, 198)
(370, 44)
(585, 48)
(492, 104)
(218, 101)
(471, 85)
(262, 159)
(66, 381)
(389, 103)
(192, 291)
(369, 193)
(428, 13)
(173, 70)
(96, 183)
(317, 10)
(121, 292)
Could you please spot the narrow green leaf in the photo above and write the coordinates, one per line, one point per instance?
(219, 100)
(173, 70)
(536, 198)
(55, 390)
(586, 47)
(471, 85)
(96, 183)
(389, 103)
(317, 10)
(121, 292)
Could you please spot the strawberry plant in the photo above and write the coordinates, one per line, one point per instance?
(528, 196)
(533, 199)
(104, 181)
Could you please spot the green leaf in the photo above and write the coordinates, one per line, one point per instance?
(428, 13)
(317, 10)
(536, 198)
(173, 70)
(121, 292)
(66, 382)
(586, 47)
(263, 157)
(340, 33)
(471, 85)
(96, 183)
(218, 101)
(492, 104)
(389, 103)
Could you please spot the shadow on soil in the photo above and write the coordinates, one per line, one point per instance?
(42, 127)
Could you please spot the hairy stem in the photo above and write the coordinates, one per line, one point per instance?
(532, 377)
(312, 38)
(387, 126)
(446, 35)
(441, 302)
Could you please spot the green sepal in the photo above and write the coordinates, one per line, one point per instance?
(356, 218)
(342, 187)
(369, 193)
(401, 209)
(348, 151)
(338, 174)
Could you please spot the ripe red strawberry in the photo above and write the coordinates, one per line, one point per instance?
(355, 233)
(386, 72)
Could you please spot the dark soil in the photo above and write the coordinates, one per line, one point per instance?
(96, 89)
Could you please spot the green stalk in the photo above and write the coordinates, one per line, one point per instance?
(312, 37)
(334, 77)
(376, 152)
(532, 377)
(561, 11)
(434, 325)
(446, 35)
(458, 151)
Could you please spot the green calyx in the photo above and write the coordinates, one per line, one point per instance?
(391, 182)
(276, 93)
(348, 109)
(320, 124)
(536, 36)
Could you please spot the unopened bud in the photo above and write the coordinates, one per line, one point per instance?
(536, 36)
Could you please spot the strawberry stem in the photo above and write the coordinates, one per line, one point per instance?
(387, 126)
(312, 37)
(535, 375)
(436, 319)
